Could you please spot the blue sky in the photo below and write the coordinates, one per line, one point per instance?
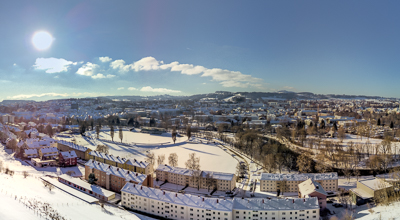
(191, 47)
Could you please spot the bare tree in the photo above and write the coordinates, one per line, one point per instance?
(25, 174)
(150, 158)
(269, 164)
(280, 161)
(102, 148)
(112, 132)
(341, 134)
(193, 163)
(121, 135)
(304, 163)
(97, 131)
(188, 131)
(160, 159)
(173, 159)
(173, 135)
(210, 181)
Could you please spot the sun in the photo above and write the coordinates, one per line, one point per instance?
(42, 40)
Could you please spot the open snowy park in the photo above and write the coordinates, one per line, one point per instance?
(136, 145)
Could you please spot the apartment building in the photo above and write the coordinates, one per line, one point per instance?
(114, 178)
(186, 206)
(81, 151)
(193, 178)
(175, 205)
(274, 209)
(271, 182)
(132, 165)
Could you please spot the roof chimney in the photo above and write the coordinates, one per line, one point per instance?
(176, 194)
(304, 200)
(134, 185)
(136, 174)
(127, 172)
(203, 199)
(263, 201)
(117, 169)
(141, 187)
(217, 200)
(163, 192)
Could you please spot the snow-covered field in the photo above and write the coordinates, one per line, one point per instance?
(212, 157)
(15, 190)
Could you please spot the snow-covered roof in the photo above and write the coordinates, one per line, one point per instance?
(73, 146)
(110, 157)
(48, 150)
(178, 198)
(176, 170)
(275, 204)
(375, 184)
(136, 163)
(93, 188)
(218, 175)
(299, 177)
(309, 186)
(68, 155)
(30, 151)
(116, 171)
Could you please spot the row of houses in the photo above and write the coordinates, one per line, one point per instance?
(132, 165)
(173, 205)
(50, 156)
(114, 178)
(195, 178)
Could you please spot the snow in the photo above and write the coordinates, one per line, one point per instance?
(27, 189)
(212, 157)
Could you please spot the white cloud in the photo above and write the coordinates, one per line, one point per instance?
(53, 65)
(158, 90)
(87, 69)
(53, 94)
(14, 64)
(121, 88)
(120, 66)
(4, 81)
(226, 78)
(101, 76)
(105, 59)
(91, 69)
(132, 88)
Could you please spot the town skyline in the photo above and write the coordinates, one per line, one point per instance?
(150, 48)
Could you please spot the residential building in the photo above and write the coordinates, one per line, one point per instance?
(30, 153)
(371, 189)
(173, 205)
(271, 182)
(81, 151)
(48, 153)
(132, 165)
(93, 190)
(67, 158)
(193, 178)
(114, 178)
(310, 188)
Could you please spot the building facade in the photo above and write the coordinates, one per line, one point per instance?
(81, 151)
(114, 178)
(271, 182)
(196, 178)
(132, 165)
(190, 207)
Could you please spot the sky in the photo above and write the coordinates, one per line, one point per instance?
(100, 48)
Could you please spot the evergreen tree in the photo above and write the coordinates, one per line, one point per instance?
(391, 124)
(379, 122)
(92, 179)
